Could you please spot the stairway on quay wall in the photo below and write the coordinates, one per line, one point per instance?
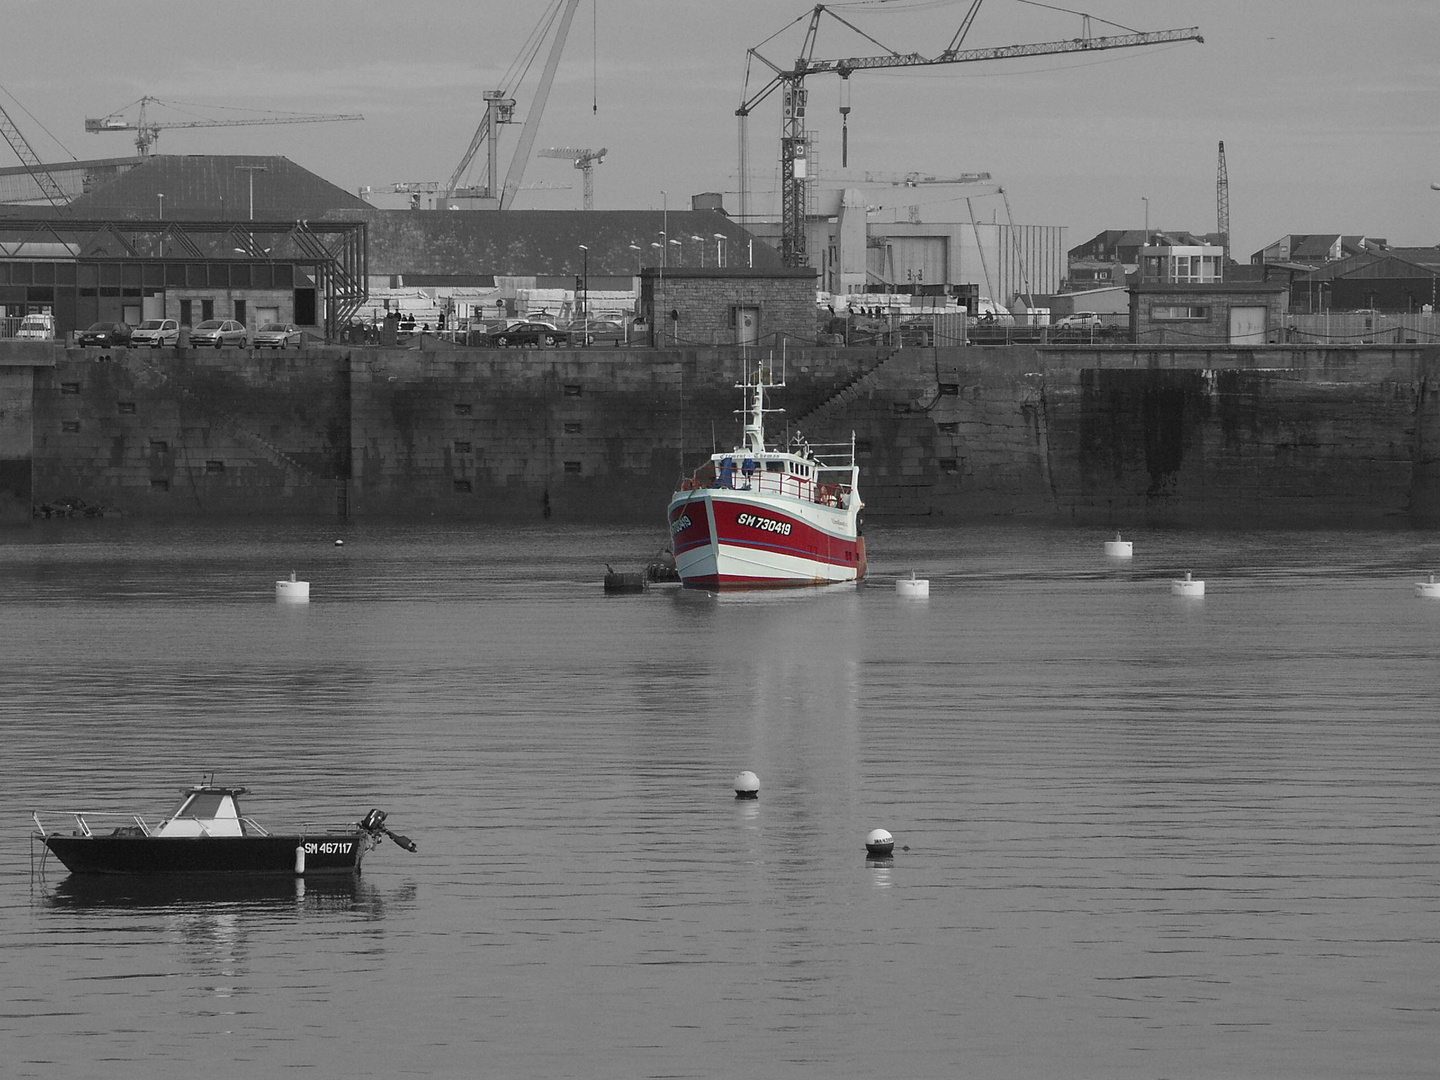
(1269, 435)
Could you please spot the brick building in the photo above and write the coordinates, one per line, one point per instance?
(1235, 313)
(728, 306)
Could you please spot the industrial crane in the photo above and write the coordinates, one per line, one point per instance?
(794, 139)
(500, 109)
(1222, 206)
(413, 188)
(49, 186)
(147, 132)
(585, 161)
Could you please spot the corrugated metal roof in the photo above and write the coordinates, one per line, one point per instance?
(547, 242)
(213, 187)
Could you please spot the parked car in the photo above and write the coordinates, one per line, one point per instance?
(155, 333)
(218, 332)
(1080, 320)
(531, 332)
(274, 335)
(597, 332)
(39, 327)
(104, 334)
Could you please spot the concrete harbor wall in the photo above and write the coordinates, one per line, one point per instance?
(1121, 436)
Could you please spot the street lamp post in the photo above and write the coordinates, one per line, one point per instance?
(585, 289)
(161, 196)
(701, 241)
(680, 251)
(636, 248)
(719, 248)
(1146, 200)
(252, 170)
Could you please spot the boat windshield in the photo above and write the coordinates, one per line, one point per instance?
(202, 804)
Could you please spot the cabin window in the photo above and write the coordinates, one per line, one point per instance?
(205, 804)
(774, 466)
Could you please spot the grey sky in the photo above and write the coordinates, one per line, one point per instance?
(1327, 107)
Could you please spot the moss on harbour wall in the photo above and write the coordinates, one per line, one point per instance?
(1267, 435)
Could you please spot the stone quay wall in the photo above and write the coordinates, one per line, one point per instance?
(1120, 436)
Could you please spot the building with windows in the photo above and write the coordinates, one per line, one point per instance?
(1178, 313)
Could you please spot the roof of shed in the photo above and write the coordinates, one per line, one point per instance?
(549, 242)
(213, 187)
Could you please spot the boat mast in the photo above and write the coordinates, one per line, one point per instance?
(754, 441)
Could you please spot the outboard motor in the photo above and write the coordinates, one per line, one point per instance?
(374, 824)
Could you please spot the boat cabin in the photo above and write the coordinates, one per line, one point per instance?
(205, 811)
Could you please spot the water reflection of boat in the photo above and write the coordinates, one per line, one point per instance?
(207, 835)
(136, 892)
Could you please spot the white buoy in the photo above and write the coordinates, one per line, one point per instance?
(1428, 588)
(293, 591)
(880, 842)
(1187, 586)
(1119, 549)
(747, 786)
(339, 543)
(912, 586)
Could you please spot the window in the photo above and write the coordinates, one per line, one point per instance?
(949, 389)
(1177, 313)
(462, 446)
(69, 388)
(70, 427)
(462, 408)
(159, 446)
(240, 311)
(572, 466)
(572, 428)
(185, 313)
(572, 389)
(207, 309)
(214, 466)
(159, 485)
(462, 487)
(126, 408)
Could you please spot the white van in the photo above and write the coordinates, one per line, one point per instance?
(37, 327)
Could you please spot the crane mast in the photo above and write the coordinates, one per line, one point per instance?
(794, 139)
(49, 186)
(1222, 205)
(500, 108)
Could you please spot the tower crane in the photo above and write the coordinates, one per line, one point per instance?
(794, 139)
(413, 188)
(49, 186)
(500, 109)
(147, 131)
(1222, 206)
(585, 161)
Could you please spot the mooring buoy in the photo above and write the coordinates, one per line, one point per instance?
(912, 586)
(292, 591)
(747, 786)
(1187, 586)
(1119, 549)
(880, 843)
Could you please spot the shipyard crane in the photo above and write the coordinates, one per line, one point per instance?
(1222, 207)
(413, 188)
(794, 138)
(500, 109)
(585, 161)
(49, 186)
(147, 131)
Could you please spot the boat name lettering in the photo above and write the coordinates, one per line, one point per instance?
(764, 524)
(330, 847)
(680, 524)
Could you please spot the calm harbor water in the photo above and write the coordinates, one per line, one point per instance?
(1148, 836)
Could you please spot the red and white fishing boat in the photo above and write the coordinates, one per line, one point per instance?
(762, 517)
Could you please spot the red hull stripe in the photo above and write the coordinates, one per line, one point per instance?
(746, 525)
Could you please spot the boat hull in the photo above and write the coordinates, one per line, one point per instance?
(728, 539)
(252, 856)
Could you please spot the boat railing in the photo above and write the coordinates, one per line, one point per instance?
(835, 493)
(103, 820)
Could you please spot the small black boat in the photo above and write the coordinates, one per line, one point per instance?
(207, 834)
